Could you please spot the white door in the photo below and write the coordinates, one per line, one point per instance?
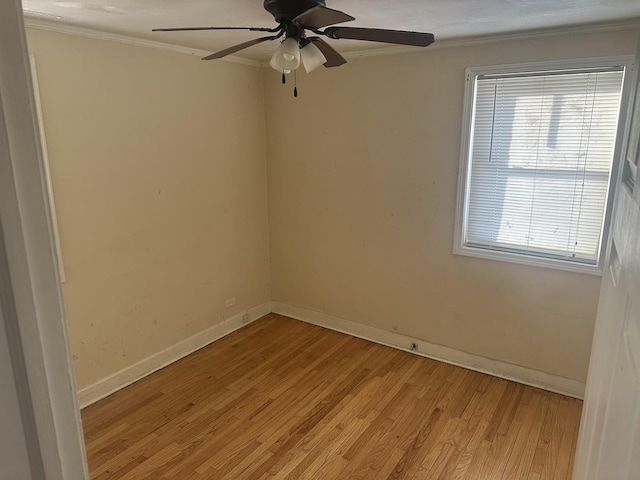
(609, 442)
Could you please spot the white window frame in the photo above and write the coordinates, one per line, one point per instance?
(471, 73)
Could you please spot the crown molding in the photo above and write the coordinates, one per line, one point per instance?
(57, 27)
(632, 24)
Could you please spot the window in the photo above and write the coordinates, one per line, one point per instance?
(536, 165)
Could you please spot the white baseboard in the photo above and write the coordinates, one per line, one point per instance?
(508, 371)
(131, 374)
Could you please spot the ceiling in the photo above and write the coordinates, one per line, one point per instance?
(447, 19)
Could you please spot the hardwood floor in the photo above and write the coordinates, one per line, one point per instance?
(281, 399)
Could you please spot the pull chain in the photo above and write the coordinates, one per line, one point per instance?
(284, 80)
(295, 83)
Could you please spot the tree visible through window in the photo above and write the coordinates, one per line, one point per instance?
(540, 156)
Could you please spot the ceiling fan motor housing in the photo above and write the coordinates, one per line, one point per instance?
(286, 10)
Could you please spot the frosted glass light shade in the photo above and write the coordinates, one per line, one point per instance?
(287, 57)
(273, 65)
(312, 57)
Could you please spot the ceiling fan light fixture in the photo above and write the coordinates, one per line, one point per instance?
(294, 18)
(312, 57)
(287, 56)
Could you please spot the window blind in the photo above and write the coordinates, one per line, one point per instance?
(540, 161)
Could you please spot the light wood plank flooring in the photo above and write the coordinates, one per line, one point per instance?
(281, 399)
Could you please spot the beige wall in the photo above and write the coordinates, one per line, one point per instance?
(362, 192)
(159, 166)
(159, 175)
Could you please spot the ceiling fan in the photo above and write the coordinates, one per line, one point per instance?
(294, 18)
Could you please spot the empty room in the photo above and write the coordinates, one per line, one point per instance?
(321, 240)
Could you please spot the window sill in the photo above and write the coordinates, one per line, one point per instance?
(528, 260)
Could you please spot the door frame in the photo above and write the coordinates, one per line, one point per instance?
(33, 309)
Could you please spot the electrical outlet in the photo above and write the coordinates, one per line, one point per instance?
(230, 302)
(414, 347)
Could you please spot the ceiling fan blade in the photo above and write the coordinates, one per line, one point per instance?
(186, 29)
(240, 46)
(399, 37)
(334, 59)
(321, 16)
